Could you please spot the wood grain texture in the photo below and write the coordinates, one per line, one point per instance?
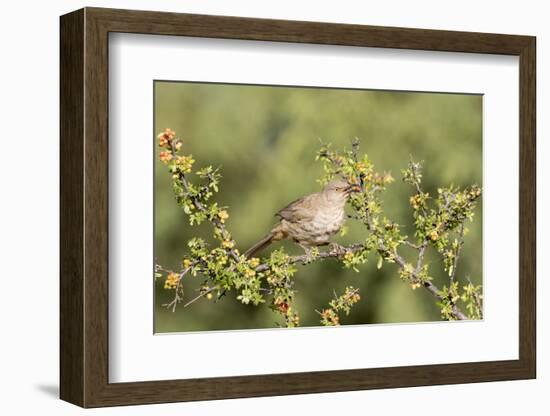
(71, 218)
(527, 208)
(96, 219)
(84, 207)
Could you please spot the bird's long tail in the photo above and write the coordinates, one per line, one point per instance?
(260, 245)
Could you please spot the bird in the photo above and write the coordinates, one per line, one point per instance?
(311, 220)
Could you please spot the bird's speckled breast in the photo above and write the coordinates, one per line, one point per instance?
(328, 219)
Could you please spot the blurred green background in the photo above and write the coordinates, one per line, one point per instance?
(265, 139)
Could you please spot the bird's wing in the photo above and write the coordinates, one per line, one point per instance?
(301, 209)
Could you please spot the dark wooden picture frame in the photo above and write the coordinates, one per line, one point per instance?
(84, 207)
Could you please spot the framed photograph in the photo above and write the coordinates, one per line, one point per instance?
(254, 207)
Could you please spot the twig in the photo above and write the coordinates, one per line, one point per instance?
(433, 289)
(416, 171)
(198, 205)
(429, 286)
(202, 294)
(335, 253)
(415, 275)
(476, 299)
(421, 252)
(177, 298)
(457, 253)
(412, 245)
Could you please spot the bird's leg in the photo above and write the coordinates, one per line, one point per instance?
(309, 256)
(337, 249)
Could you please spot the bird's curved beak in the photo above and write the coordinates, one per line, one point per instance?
(353, 188)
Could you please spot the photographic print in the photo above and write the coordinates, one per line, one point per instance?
(327, 185)
(290, 206)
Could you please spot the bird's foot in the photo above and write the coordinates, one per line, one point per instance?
(337, 249)
(310, 254)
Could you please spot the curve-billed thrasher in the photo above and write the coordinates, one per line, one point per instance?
(311, 220)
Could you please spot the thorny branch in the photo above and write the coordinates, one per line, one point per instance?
(225, 269)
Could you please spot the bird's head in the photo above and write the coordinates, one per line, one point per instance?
(341, 187)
